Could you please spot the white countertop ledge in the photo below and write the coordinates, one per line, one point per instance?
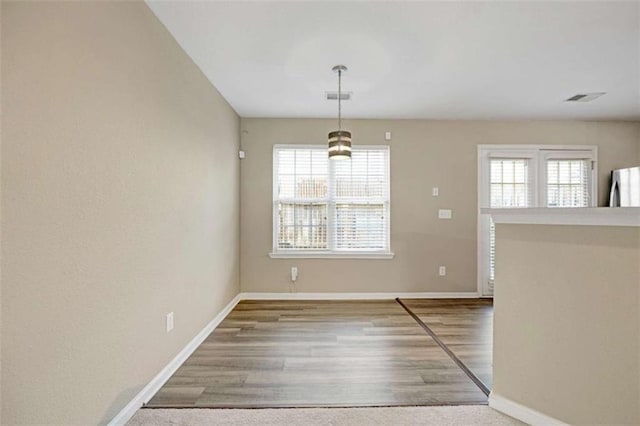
(589, 216)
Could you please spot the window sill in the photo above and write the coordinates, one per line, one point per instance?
(332, 255)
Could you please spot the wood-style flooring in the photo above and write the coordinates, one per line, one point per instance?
(465, 326)
(336, 353)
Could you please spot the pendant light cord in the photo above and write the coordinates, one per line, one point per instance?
(339, 102)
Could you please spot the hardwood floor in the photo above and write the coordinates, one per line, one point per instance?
(323, 353)
(465, 326)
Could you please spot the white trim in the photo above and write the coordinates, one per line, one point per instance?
(161, 378)
(330, 201)
(321, 146)
(356, 296)
(330, 255)
(480, 249)
(537, 154)
(521, 412)
(588, 154)
(551, 147)
(589, 216)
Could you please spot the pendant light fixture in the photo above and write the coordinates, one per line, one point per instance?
(340, 140)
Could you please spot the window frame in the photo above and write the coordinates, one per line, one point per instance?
(331, 201)
(576, 154)
(537, 156)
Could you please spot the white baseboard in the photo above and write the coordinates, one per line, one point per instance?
(522, 413)
(356, 296)
(161, 378)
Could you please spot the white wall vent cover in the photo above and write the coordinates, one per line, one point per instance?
(333, 96)
(585, 97)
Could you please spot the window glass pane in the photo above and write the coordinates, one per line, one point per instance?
(508, 199)
(520, 172)
(509, 183)
(495, 171)
(309, 186)
(552, 172)
(508, 167)
(364, 177)
(302, 226)
(509, 187)
(302, 174)
(496, 195)
(286, 162)
(553, 195)
(520, 194)
(286, 186)
(320, 163)
(568, 183)
(360, 226)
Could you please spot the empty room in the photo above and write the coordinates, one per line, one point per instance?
(319, 212)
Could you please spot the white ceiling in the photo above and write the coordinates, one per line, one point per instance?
(437, 60)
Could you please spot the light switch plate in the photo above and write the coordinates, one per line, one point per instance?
(387, 136)
(444, 214)
(435, 191)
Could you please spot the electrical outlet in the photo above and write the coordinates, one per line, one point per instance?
(294, 273)
(169, 321)
(442, 271)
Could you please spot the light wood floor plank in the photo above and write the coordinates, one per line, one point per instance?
(465, 326)
(327, 353)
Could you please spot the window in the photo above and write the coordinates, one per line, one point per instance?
(528, 176)
(509, 187)
(325, 208)
(568, 183)
(509, 182)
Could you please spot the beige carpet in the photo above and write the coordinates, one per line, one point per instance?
(461, 415)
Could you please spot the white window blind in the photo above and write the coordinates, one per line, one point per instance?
(568, 183)
(302, 189)
(509, 188)
(361, 201)
(520, 176)
(509, 179)
(331, 206)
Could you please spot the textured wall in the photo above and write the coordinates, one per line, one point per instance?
(638, 148)
(566, 335)
(120, 184)
(424, 154)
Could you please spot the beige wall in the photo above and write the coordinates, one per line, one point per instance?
(1, 115)
(424, 154)
(638, 148)
(566, 335)
(120, 184)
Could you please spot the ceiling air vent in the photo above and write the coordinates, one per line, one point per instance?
(585, 97)
(333, 96)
